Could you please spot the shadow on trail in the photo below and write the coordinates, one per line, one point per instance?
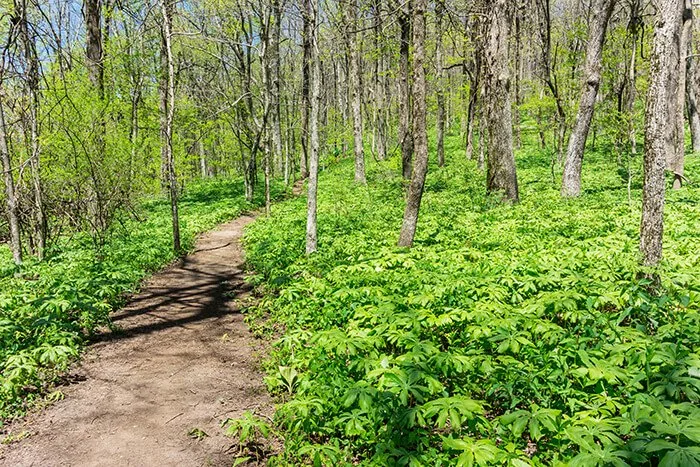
(203, 296)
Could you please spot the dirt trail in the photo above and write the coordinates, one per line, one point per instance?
(183, 359)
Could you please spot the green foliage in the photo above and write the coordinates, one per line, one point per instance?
(509, 335)
(47, 309)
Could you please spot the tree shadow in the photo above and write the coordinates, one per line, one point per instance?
(195, 296)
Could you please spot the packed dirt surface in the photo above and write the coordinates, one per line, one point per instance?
(154, 392)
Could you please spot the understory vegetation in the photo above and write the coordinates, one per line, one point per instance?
(49, 308)
(508, 335)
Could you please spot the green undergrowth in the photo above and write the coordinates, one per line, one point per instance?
(508, 335)
(49, 308)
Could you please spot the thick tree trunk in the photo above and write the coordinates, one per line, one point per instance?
(501, 173)
(440, 92)
(311, 228)
(571, 182)
(420, 137)
(659, 114)
(405, 135)
(169, 100)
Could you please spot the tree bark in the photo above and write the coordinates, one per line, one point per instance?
(440, 92)
(275, 112)
(305, 91)
(500, 166)
(355, 91)
(405, 135)
(659, 114)
(34, 149)
(474, 84)
(693, 90)
(12, 208)
(676, 159)
(518, 79)
(93, 45)
(315, 78)
(571, 182)
(380, 88)
(635, 24)
(420, 137)
(169, 100)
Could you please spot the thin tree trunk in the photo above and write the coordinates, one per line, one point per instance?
(315, 78)
(420, 137)
(12, 211)
(500, 168)
(474, 84)
(518, 79)
(169, 99)
(93, 45)
(305, 80)
(356, 92)
(659, 114)
(405, 135)
(440, 92)
(482, 142)
(380, 101)
(571, 182)
(32, 80)
(275, 112)
(268, 176)
(693, 90)
(676, 161)
(632, 93)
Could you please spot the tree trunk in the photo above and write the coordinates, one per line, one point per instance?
(571, 182)
(12, 211)
(315, 78)
(420, 137)
(474, 85)
(34, 149)
(693, 90)
(677, 160)
(518, 79)
(632, 91)
(500, 167)
(440, 92)
(356, 91)
(659, 114)
(169, 100)
(275, 112)
(405, 136)
(380, 136)
(305, 82)
(93, 45)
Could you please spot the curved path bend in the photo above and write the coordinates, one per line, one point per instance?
(182, 360)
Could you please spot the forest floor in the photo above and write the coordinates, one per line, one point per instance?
(155, 391)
